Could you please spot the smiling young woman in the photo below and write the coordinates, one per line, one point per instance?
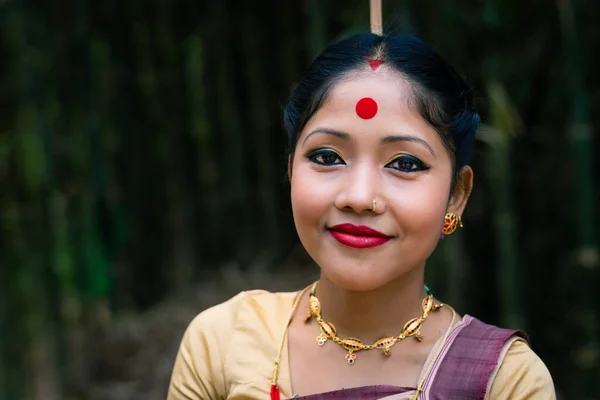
(380, 132)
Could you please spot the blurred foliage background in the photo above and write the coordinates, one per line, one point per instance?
(142, 163)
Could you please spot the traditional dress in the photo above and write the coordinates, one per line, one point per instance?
(227, 352)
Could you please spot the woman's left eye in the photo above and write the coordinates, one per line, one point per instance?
(407, 164)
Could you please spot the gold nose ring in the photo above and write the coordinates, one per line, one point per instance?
(373, 204)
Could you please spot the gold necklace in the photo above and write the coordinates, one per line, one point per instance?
(411, 328)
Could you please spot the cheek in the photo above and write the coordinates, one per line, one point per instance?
(420, 207)
(310, 199)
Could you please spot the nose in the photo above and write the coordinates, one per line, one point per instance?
(360, 187)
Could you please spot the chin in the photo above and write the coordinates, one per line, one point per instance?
(357, 278)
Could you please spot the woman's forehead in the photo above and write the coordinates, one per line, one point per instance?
(371, 104)
(387, 89)
(395, 114)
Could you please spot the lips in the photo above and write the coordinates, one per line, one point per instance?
(358, 236)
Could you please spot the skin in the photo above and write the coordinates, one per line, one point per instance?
(341, 163)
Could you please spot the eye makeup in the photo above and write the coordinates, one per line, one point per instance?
(326, 157)
(407, 163)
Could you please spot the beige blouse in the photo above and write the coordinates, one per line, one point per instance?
(228, 351)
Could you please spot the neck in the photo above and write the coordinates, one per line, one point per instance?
(372, 315)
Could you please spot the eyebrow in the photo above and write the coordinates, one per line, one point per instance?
(336, 133)
(408, 138)
(385, 140)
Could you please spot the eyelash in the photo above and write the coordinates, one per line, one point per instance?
(324, 152)
(416, 164)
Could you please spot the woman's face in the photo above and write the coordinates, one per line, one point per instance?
(343, 162)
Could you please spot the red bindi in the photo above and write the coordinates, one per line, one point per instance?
(366, 108)
(375, 64)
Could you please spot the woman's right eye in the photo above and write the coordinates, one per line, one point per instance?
(325, 157)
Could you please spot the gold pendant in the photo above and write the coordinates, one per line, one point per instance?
(350, 357)
(321, 339)
(418, 336)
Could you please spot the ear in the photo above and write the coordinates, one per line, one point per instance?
(289, 167)
(461, 191)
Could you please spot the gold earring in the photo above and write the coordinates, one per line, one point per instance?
(451, 222)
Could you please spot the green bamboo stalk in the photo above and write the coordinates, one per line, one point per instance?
(179, 206)
(4, 338)
(265, 222)
(505, 126)
(106, 175)
(208, 172)
(29, 135)
(587, 258)
(157, 166)
(7, 266)
(14, 339)
(97, 261)
(39, 357)
(289, 58)
(148, 78)
(78, 303)
(235, 189)
(63, 265)
(56, 334)
(195, 59)
(317, 34)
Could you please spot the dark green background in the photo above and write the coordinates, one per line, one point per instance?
(142, 163)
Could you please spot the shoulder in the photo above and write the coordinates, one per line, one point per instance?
(248, 319)
(244, 307)
(203, 367)
(522, 375)
(496, 363)
(519, 371)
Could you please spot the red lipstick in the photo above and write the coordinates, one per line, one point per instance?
(358, 236)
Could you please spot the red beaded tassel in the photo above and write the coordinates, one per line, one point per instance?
(275, 395)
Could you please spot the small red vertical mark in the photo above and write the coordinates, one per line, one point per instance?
(375, 64)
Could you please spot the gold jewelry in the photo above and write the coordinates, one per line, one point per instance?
(411, 328)
(451, 221)
(373, 204)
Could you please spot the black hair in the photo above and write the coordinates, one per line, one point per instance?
(440, 95)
